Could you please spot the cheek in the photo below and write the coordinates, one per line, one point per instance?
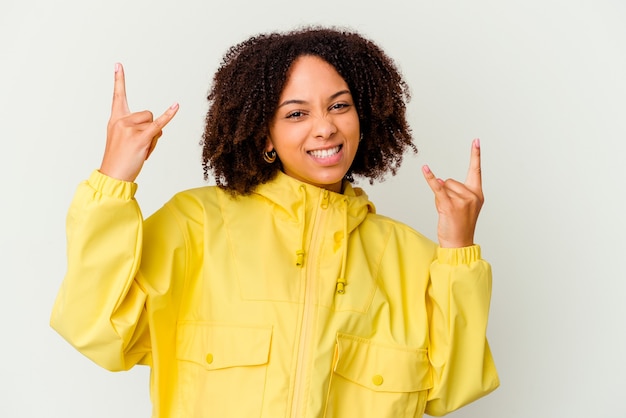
(288, 135)
(354, 131)
(353, 123)
(276, 135)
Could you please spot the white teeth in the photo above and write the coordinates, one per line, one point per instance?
(324, 153)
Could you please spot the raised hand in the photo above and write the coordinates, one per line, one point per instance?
(131, 137)
(458, 204)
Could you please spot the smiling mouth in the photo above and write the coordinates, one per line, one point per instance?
(325, 153)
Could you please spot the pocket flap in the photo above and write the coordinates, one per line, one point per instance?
(382, 368)
(219, 346)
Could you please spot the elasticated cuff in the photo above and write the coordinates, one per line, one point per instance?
(457, 256)
(111, 187)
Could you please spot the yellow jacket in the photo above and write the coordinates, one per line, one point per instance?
(291, 302)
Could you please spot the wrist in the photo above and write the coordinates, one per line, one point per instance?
(455, 244)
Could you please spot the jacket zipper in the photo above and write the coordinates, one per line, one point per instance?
(304, 346)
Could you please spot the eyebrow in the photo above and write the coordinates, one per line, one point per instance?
(296, 101)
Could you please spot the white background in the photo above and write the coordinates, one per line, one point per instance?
(542, 83)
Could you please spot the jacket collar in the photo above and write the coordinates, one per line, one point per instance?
(296, 200)
(290, 194)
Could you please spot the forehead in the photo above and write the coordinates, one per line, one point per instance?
(310, 72)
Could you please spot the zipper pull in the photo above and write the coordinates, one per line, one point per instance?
(325, 199)
(299, 258)
(341, 284)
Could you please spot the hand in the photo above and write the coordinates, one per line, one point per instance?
(131, 137)
(458, 204)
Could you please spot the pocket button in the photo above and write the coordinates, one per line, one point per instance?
(377, 380)
(209, 358)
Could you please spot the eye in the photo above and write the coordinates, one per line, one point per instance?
(297, 114)
(340, 106)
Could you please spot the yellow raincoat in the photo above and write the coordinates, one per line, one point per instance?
(291, 302)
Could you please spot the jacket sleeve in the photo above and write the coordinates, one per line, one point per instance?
(100, 308)
(458, 301)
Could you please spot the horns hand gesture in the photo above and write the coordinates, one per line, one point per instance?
(458, 204)
(131, 137)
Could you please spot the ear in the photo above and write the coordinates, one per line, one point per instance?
(269, 145)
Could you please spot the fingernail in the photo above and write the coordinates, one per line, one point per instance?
(426, 169)
(117, 67)
(174, 106)
(477, 142)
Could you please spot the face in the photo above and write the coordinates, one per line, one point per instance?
(315, 129)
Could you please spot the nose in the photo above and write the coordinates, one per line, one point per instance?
(324, 127)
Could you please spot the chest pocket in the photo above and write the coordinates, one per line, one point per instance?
(218, 366)
(375, 380)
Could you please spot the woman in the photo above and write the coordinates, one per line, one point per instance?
(280, 292)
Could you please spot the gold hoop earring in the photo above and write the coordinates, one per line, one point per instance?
(269, 156)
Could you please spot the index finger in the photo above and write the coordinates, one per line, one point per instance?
(119, 106)
(474, 174)
(435, 183)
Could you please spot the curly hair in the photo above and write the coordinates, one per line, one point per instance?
(248, 84)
